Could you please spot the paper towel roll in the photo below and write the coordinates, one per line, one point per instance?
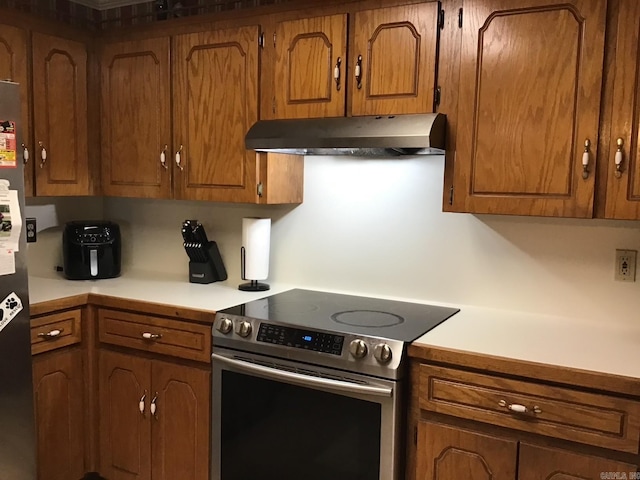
(256, 242)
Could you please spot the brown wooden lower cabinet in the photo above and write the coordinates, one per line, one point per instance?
(154, 419)
(58, 400)
(447, 453)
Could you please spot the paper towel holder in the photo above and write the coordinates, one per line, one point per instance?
(252, 285)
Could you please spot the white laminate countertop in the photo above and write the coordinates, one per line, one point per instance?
(605, 347)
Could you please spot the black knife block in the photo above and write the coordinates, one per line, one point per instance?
(209, 271)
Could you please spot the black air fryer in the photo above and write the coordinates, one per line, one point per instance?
(91, 250)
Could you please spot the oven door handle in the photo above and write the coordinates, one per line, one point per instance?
(304, 380)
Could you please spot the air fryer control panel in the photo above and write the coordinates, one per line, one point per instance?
(87, 234)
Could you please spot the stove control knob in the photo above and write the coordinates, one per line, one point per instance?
(358, 348)
(225, 326)
(382, 352)
(243, 329)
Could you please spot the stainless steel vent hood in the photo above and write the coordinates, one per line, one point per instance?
(420, 134)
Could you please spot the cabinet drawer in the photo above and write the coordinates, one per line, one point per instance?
(55, 331)
(152, 334)
(594, 419)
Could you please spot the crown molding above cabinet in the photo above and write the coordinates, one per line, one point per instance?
(106, 4)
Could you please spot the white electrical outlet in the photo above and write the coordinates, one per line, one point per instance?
(626, 265)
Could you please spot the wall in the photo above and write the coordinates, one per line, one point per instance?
(376, 227)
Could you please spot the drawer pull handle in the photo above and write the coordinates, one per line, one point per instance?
(517, 408)
(51, 334)
(619, 157)
(154, 407)
(151, 336)
(585, 159)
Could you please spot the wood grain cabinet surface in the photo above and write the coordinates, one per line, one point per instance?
(14, 66)
(482, 425)
(175, 113)
(58, 389)
(154, 419)
(60, 116)
(623, 155)
(529, 98)
(388, 68)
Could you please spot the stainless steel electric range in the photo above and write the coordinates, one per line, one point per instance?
(309, 385)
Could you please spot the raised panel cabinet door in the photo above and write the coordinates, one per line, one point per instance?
(60, 116)
(393, 60)
(529, 103)
(311, 67)
(446, 453)
(215, 103)
(125, 430)
(136, 119)
(180, 425)
(623, 176)
(554, 464)
(13, 66)
(59, 413)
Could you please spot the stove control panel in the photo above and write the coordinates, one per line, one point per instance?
(298, 338)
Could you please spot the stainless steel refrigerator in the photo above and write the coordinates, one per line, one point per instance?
(17, 430)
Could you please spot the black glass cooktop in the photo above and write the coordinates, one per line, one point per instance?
(346, 314)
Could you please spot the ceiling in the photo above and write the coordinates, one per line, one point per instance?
(106, 4)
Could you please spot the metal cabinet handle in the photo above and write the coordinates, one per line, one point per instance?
(179, 158)
(151, 336)
(619, 157)
(141, 403)
(43, 154)
(163, 157)
(25, 154)
(517, 408)
(358, 71)
(154, 407)
(51, 334)
(585, 158)
(336, 73)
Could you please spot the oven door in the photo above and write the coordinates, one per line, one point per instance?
(277, 419)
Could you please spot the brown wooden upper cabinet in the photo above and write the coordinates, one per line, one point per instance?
(196, 150)
(14, 67)
(387, 67)
(136, 118)
(529, 105)
(60, 116)
(623, 157)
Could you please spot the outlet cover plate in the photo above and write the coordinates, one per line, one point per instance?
(626, 265)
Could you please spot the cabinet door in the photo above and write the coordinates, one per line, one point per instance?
(13, 66)
(59, 413)
(181, 424)
(623, 188)
(60, 116)
(551, 463)
(396, 50)
(125, 432)
(136, 119)
(529, 98)
(216, 102)
(308, 52)
(445, 453)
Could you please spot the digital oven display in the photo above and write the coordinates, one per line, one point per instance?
(298, 338)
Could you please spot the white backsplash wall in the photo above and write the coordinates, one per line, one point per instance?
(376, 227)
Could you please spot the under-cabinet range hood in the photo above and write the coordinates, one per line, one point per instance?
(394, 135)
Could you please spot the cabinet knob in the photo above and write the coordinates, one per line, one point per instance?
(358, 72)
(43, 154)
(151, 336)
(336, 73)
(51, 334)
(585, 158)
(619, 157)
(163, 157)
(179, 158)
